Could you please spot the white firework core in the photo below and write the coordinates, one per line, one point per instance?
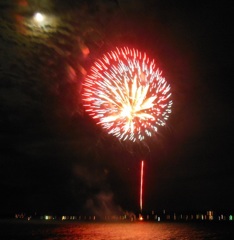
(127, 94)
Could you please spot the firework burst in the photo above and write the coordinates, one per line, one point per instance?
(127, 94)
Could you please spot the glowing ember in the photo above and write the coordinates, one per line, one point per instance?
(127, 94)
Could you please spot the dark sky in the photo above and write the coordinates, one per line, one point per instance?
(54, 159)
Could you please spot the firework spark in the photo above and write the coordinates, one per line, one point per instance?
(127, 94)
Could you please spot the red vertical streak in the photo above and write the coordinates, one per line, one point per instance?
(141, 187)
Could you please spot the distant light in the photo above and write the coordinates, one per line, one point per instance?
(38, 17)
(141, 218)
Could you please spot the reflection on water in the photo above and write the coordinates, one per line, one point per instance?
(114, 231)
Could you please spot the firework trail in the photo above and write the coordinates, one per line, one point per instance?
(127, 95)
(141, 185)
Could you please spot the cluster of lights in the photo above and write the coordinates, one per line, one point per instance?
(127, 94)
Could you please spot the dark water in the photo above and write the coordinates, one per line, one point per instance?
(12, 230)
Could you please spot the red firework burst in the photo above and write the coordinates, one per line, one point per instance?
(127, 94)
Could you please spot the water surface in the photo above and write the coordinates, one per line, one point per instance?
(55, 230)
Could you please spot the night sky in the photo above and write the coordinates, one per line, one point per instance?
(54, 159)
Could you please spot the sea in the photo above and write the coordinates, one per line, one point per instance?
(60, 230)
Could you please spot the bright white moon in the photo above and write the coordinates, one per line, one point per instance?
(38, 17)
